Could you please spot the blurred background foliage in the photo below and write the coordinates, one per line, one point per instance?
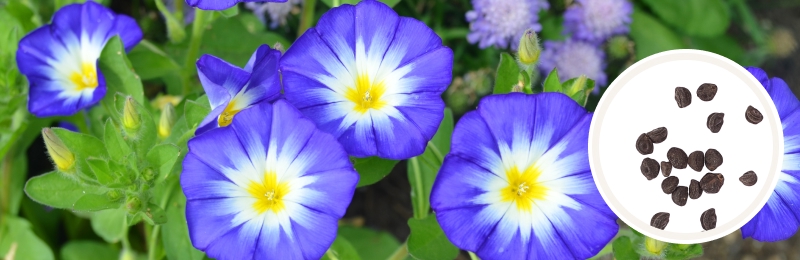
(752, 33)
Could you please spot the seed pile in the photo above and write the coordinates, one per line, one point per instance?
(677, 158)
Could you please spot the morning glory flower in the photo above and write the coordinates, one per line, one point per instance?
(500, 23)
(231, 89)
(221, 4)
(60, 59)
(598, 20)
(780, 217)
(277, 12)
(370, 78)
(269, 186)
(517, 183)
(574, 58)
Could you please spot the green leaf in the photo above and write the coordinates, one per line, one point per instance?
(507, 74)
(680, 252)
(115, 145)
(150, 62)
(162, 158)
(80, 250)
(371, 243)
(118, 71)
(175, 30)
(623, 249)
(341, 249)
(552, 83)
(96, 202)
(194, 113)
(175, 234)
(372, 169)
(101, 171)
(19, 172)
(56, 190)
(651, 36)
(154, 215)
(698, 18)
(110, 224)
(422, 169)
(428, 241)
(17, 233)
(724, 45)
(230, 12)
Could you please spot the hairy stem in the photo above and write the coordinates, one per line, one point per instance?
(198, 27)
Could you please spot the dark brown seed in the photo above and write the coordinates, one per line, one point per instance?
(677, 158)
(644, 145)
(694, 189)
(683, 96)
(696, 161)
(753, 115)
(649, 168)
(708, 219)
(713, 159)
(669, 184)
(714, 122)
(680, 195)
(660, 220)
(748, 179)
(712, 182)
(666, 168)
(707, 91)
(658, 135)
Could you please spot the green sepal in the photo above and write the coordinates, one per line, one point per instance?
(507, 75)
(372, 169)
(162, 157)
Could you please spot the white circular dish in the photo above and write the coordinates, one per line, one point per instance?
(641, 99)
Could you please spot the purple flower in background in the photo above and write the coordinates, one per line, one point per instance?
(221, 4)
(500, 23)
(68, 125)
(780, 217)
(597, 20)
(269, 186)
(277, 12)
(574, 58)
(60, 59)
(370, 78)
(231, 89)
(517, 183)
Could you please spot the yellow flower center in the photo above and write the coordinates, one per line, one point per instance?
(269, 193)
(226, 118)
(366, 95)
(523, 188)
(86, 78)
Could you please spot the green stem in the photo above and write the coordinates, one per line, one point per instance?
(436, 152)
(5, 200)
(420, 212)
(152, 245)
(401, 252)
(307, 17)
(198, 27)
(335, 3)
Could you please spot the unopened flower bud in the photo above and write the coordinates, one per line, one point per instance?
(113, 195)
(529, 48)
(578, 85)
(619, 47)
(61, 155)
(127, 254)
(148, 174)
(166, 121)
(133, 205)
(278, 46)
(130, 117)
(654, 246)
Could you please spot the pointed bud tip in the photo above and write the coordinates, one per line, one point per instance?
(61, 155)
(529, 48)
(166, 121)
(130, 117)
